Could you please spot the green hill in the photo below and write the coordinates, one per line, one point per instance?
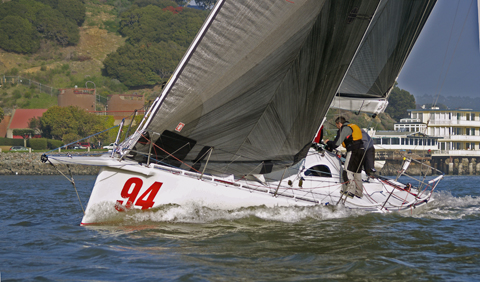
(107, 32)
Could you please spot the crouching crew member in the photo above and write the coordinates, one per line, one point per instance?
(350, 136)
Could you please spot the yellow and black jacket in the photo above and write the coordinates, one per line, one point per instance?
(349, 135)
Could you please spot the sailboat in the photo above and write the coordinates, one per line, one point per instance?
(234, 125)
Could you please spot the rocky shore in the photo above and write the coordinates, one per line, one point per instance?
(392, 167)
(30, 164)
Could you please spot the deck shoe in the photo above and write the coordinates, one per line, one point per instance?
(350, 194)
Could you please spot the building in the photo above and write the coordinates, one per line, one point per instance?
(410, 125)
(403, 140)
(20, 119)
(84, 98)
(459, 129)
(123, 106)
(119, 106)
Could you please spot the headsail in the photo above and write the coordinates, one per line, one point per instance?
(388, 42)
(256, 83)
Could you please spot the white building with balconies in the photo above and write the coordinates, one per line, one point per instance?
(403, 140)
(410, 125)
(458, 129)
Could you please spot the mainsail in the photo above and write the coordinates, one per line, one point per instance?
(255, 84)
(382, 54)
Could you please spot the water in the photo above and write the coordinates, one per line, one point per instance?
(41, 240)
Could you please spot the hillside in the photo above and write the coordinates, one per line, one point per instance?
(117, 47)
(65, 67)
(85, 59)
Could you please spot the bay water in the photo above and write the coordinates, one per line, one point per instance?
(41, 239)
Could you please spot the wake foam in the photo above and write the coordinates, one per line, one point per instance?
(444, 206)
(447, 206)
(194, 213)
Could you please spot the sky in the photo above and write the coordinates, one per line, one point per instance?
(446, 57)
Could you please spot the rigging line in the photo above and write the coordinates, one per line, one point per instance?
(201, 157)
(419, 30)
(250, 173)
(204, 167)
(233, 160)
(445, 57)
(66, 145)
(155, 145)
(237, 156)
(75, 187)
(71, 180)
(280, 182)
(188, 143)
(183, 62)
(130, 125)
(134, 115)
(455, 49)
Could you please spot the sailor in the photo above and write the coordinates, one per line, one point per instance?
(369, 159)
(350, 136)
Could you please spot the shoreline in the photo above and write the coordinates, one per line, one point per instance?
(30, 164)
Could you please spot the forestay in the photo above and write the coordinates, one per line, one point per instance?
(255, 84)
(382, 54)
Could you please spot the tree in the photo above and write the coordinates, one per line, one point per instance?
(71, 123)
(1, 114)
(18, 35)
(158, 3)
(51, 3)
(24, 22)
(399, 102)
(143, 65)
(72, 9)
(35, 123)
(25, 9)
(147, 24)
(182, 2)
(51, 24)
(155, 24)
(157, 40)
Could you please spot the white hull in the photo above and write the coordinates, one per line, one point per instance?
(157, 185)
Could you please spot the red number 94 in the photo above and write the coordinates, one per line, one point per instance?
(130, 191)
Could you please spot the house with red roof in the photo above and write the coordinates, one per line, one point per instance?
(20, 119)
